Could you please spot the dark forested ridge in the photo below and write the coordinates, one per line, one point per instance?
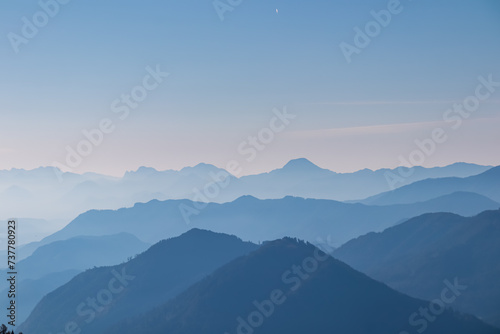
(288, 286)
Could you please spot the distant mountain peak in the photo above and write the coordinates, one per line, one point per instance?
(202, 232)
(143, 170)
(301, 164)
(201, 168)
(204, 165)
(246, 198)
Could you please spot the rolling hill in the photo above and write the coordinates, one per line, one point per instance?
(485, 184)
(80, 253)
(102, 296)
(56, 263)
(33, 290)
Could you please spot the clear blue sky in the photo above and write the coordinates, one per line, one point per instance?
(227, 76)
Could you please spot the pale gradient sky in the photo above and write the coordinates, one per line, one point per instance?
(227, 76)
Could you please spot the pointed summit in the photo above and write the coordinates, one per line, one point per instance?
(301, 165)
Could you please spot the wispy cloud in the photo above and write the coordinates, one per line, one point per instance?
(378, 129)
(377, 103)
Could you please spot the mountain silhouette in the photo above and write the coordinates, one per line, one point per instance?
(416, 256)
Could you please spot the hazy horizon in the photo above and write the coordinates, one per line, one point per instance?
(243, 174)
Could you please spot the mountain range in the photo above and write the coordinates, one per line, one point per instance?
(256, 220)
(450, 244)
(34, 193)
(284, 286)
